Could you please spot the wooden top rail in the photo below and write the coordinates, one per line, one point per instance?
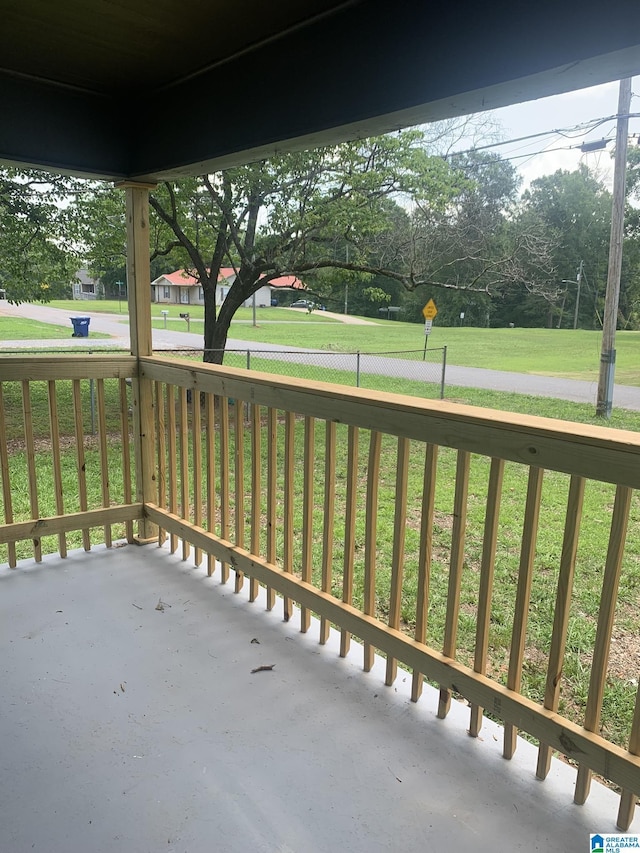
(82, 366)
(597, 453)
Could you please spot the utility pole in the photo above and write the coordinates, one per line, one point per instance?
(579, 281)
(608, 353)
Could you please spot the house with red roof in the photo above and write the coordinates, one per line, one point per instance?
(181, 288)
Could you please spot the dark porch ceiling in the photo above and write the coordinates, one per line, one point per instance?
(151, 88)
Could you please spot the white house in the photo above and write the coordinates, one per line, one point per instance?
(85, 287)
(181, 288)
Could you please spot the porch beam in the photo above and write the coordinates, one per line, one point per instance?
(139, 296)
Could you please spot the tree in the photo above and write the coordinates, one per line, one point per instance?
(36, 264)
(629, 304)
(574, 209)
(382, 213)
(473, 250)
(291, 215)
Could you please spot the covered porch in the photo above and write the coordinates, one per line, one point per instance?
(206, 507)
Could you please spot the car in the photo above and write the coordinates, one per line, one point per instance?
(301, 303)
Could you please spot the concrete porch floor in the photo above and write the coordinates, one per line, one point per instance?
(128, 728)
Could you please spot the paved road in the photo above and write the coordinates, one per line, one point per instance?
(625, 396)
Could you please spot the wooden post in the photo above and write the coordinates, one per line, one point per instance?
(139, 294)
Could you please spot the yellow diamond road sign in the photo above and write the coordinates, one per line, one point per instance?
(429, 311)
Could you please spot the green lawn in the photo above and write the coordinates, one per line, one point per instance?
(547, 352)
(91, 306)
(242, 316)
(16, 329)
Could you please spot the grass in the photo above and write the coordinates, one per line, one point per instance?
(548, 352)
(196, 312)
(17, 329)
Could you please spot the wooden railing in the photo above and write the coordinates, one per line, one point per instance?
(456, 541)
(434, 533)
(65, 453)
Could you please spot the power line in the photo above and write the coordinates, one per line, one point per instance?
(578, 129)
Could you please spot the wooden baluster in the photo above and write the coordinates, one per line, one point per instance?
(172, 429)
(161, 439)
(256, 491)
(126, 454)
(328, 519)
(272, 476)
(289, 463)
(370, 538)
(455, 570)
(307, 514)
(54, 427)
(224, 480)
(31, 463)
(196, 443)
(184, 465)
(561, 613)
(424, 558)
(627, 797)
(397, 559)
(349, 530)
(487, 566)
(211, 475)
(80, 458)
(6, 482)
(608, 599)
(523, 594)
(238, 423)
(104, 456)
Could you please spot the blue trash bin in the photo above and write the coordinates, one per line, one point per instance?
(80, 327)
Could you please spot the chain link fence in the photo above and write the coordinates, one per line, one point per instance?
(420, 373)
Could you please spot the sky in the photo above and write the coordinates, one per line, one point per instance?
(562, 112)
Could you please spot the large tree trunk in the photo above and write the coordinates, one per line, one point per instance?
(213, 353)
(216, 328)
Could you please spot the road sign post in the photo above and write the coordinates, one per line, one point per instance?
(428, 312)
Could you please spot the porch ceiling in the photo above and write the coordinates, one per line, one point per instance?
(154, 88)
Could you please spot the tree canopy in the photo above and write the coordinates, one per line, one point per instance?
(37, 263)
(386, 214)
(574, 210)
(291, 215)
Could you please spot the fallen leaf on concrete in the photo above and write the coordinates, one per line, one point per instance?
(255, 641)
(267, 668)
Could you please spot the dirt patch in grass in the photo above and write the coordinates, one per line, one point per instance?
(624, 656)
